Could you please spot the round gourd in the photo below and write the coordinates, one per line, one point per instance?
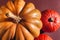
(19, 20)
(51, 20)
(43, 37)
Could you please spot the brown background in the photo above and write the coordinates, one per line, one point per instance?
(42, 5)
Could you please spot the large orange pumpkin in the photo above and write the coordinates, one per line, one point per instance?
(19, 20)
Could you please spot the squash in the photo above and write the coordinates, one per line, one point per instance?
(19, 21)
(51, 20)
(43, 37)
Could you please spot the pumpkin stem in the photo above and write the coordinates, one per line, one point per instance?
(41, 31)
(16, 18)
(50, 19)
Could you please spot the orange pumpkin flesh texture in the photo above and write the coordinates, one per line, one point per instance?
(19, 20)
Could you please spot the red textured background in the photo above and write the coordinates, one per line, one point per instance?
(42, 5)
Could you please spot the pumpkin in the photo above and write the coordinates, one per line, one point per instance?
(51, 20)
(19, 20)
(43, 37)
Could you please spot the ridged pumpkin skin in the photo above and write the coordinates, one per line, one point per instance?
(43, 37)
(19, 20)
(51, 20)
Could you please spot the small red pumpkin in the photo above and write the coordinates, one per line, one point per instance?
(51, 20)
(43, 37)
